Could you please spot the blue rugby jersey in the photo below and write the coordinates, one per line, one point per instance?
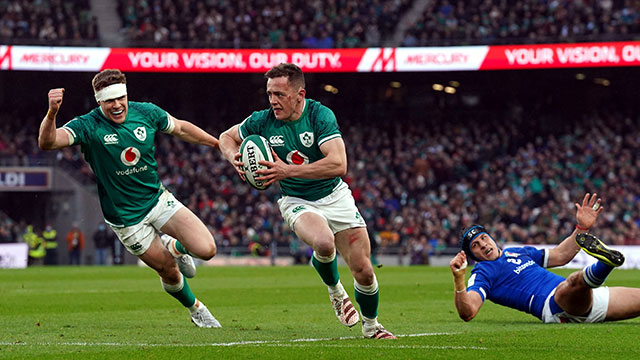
(517, 279)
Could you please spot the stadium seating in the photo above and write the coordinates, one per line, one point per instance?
(260, 24)
(59, 22)
(445, 22)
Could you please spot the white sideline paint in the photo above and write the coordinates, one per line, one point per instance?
(283, 343)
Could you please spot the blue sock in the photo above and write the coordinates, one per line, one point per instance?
(595, 274)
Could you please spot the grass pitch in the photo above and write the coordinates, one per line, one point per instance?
(282, 312)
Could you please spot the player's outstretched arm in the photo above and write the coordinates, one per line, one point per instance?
(49, 137)
(467, 303)
(189, 132)
(586, 216)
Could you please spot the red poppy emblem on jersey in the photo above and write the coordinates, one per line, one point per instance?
(130, 156)
(297, 158)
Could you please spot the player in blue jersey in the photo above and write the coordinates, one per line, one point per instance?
(315, 202)
(117, 139)
(516, 277)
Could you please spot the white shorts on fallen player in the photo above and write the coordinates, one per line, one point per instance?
(598, 310)
(338, 209)
(137, 238)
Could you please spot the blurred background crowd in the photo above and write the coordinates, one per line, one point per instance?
(316, 24)
(513, 152)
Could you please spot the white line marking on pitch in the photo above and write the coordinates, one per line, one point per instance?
(293, 342)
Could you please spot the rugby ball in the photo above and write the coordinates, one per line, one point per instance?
(254, 148)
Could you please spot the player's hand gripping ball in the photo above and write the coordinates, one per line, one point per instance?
(255, 148)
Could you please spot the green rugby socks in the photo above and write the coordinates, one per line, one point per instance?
(181, 292)
(367, 298)
(327, 267)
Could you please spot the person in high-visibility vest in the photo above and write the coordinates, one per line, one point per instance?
(51, 245)
(36, 246)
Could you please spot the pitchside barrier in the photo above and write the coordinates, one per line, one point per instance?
(14, 255)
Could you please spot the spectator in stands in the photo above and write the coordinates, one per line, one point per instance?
(103, 241)
(43, 22)
(75, 244)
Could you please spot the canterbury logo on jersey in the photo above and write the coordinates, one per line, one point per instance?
(111, 139)
(276, 140)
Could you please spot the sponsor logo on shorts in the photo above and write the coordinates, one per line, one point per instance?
(171, 203)
(297, 208)
(135, 247)
(358, 215)
(110, 139)
(276, 140)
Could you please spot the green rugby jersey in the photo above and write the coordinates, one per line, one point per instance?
(298, 142)
(122, 156)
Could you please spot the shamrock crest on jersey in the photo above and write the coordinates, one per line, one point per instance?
(306, 138)
(140, 133)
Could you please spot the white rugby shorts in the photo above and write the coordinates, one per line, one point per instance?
(598, 310)
(338, 209)
(137, 238)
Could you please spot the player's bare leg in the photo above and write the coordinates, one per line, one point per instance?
(573, 295)
(159, 259)
(624, 303)
(353, 244)
(314, 230)
(193, 236)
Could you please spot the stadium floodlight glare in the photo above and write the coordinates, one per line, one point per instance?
(437, 87)
(331, 89)
(454, 83)
(580, 76)
(395, 84)
(602, 81)
(450, 90)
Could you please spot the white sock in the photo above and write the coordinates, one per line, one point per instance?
(337, 289)
(369, 323)
(367, 289)
(197, 305)
(325, 259)
(173, 288)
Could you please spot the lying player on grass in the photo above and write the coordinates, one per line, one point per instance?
(516, 277)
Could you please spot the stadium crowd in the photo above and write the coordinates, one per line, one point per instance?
(446, 22)
(263, 24)
(46, 22)
(321, 24)
(425, 185)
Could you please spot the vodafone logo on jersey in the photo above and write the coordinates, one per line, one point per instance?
(130, 156)
(297, 158)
